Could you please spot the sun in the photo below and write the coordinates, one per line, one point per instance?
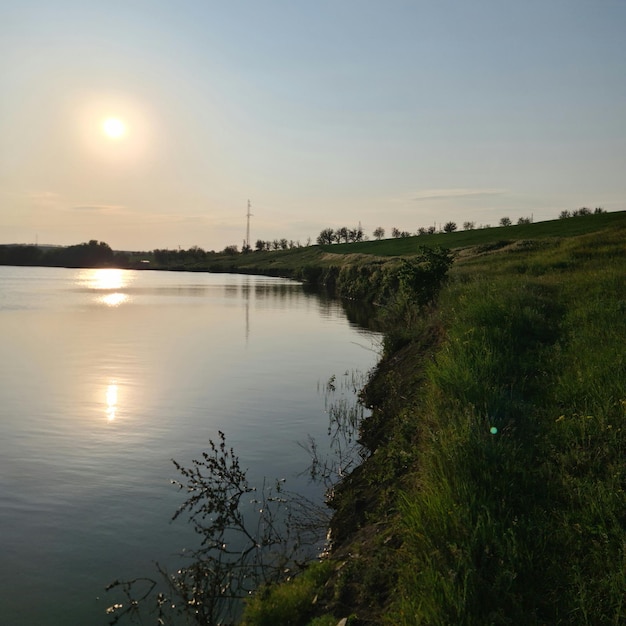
(114, 128)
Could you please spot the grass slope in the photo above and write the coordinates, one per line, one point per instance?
(294, 263)
(527, 525)
(569, 227)
(495, 491)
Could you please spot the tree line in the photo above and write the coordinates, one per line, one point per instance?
(92, 254)
(341, 235)
(579, 212)
(99, 254)
(346, 235)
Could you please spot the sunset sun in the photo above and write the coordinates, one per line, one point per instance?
(114, 128)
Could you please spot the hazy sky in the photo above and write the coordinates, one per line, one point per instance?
(324, 113)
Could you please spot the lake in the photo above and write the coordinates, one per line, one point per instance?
(106, 376)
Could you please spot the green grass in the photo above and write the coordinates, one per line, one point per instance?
(527, 525)
(496, 488)
(292, 603)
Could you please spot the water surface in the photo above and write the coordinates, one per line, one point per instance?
(105, 376)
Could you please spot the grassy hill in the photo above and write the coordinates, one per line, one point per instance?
(568, 227)
(494, 485)
(291, 262)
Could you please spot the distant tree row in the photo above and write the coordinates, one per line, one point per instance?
(277, 244)
(353, 235)
(582, 211)
(344, 235)
(341, 235)
(98, 254)
(92, 254)
(193, 256)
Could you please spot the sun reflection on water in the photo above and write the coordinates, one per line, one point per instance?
(105, 278)
(114, 299)
(111, 402)
(109, 279)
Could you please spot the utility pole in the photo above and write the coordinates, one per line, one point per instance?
(248, 215)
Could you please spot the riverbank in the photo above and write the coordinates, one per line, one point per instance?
(494, 487)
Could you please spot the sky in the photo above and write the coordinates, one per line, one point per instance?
(321, 113)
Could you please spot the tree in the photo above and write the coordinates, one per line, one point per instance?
(379, 233)
(449, 227)
(395, 232)
(341, 234)
(505, 221)
(230, 250)
(259, 245)
(469, 225)
(563, 215)
(327, 236)
(92, 254)
(525, 220)
(355, 234)
(196, 251)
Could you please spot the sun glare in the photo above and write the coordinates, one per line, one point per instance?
(111, 401)
(109, 282)
(114, 128)
(107, 278)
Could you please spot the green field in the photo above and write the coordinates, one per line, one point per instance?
(291, 262)
(553, 228)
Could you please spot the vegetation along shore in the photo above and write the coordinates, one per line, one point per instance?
(493, 485)
(493, 491)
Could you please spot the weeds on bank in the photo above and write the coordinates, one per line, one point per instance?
(509, 428)
(517, 512)
(291, 603)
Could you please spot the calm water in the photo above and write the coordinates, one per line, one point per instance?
(105, 376)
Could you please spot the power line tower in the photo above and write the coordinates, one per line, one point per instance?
(248, 215)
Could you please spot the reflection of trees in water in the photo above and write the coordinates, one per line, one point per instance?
(363, 315)
(359, 314)
(281, 291)
(249, 536)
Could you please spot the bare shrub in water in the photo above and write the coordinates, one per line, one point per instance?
(249, 537)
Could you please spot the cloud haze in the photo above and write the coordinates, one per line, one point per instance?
(438, 194)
